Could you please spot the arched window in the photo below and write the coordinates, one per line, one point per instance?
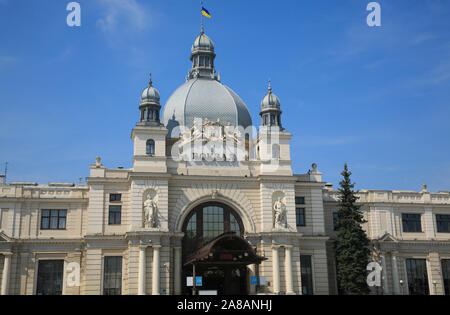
(150, 147)
(208, 221)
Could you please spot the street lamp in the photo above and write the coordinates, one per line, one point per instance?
(401, 286)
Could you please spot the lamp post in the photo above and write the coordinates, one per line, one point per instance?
(435, 284)
(194, 280)
(401, 287)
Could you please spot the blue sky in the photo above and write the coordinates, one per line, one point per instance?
(377, 98)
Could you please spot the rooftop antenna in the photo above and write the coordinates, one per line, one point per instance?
(6, 170)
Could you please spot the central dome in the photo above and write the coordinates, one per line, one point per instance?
(204, 98)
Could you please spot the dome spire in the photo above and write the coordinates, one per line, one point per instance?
(270, 86)
(150, 83)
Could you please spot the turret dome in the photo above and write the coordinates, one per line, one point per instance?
(150, 94)
(270, 100)
(203, 42)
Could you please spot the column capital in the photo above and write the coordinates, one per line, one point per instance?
(6, 254)
(289, 247)
(276, 247)
(143, 247)
(156, 246)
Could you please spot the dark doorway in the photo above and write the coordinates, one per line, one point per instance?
(226, 280)
(417, 276)
(446, 275)
(50, 277)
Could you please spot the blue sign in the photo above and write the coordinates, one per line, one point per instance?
(199, 281)
(254, 280)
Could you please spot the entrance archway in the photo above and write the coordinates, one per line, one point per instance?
(214, 244)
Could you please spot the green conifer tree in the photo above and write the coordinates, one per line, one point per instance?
(352, 243)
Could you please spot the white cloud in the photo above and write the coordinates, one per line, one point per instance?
(123, 15)
(423, 37)
(62, 56)
(7, 60)
(438, 75)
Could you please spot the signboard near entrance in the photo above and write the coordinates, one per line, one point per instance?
(262, 280)
(198, 281)
(211, 292)
(254, 281)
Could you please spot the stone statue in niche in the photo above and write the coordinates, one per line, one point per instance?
(151, 219)
(279, 209)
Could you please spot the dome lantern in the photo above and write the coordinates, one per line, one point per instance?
(202, 57)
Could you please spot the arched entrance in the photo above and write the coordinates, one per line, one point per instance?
(213, 243)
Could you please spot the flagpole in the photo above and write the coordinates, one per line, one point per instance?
(201, 13)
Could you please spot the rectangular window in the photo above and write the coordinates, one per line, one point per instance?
(50, 277)
(115, 215)
(53, 219)
(307, 275)
(412, 223)
(443, 223)
(115, 197)
(445, 263)
(300, 216)
(417, 276)
(299, 200)
(335, 221)
(112, 276)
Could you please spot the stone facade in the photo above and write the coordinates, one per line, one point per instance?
(61, 237)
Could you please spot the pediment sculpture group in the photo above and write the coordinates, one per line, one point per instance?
(210, 131)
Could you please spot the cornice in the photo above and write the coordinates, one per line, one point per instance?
(47, 200)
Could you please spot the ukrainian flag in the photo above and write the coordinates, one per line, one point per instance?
(206, 13)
